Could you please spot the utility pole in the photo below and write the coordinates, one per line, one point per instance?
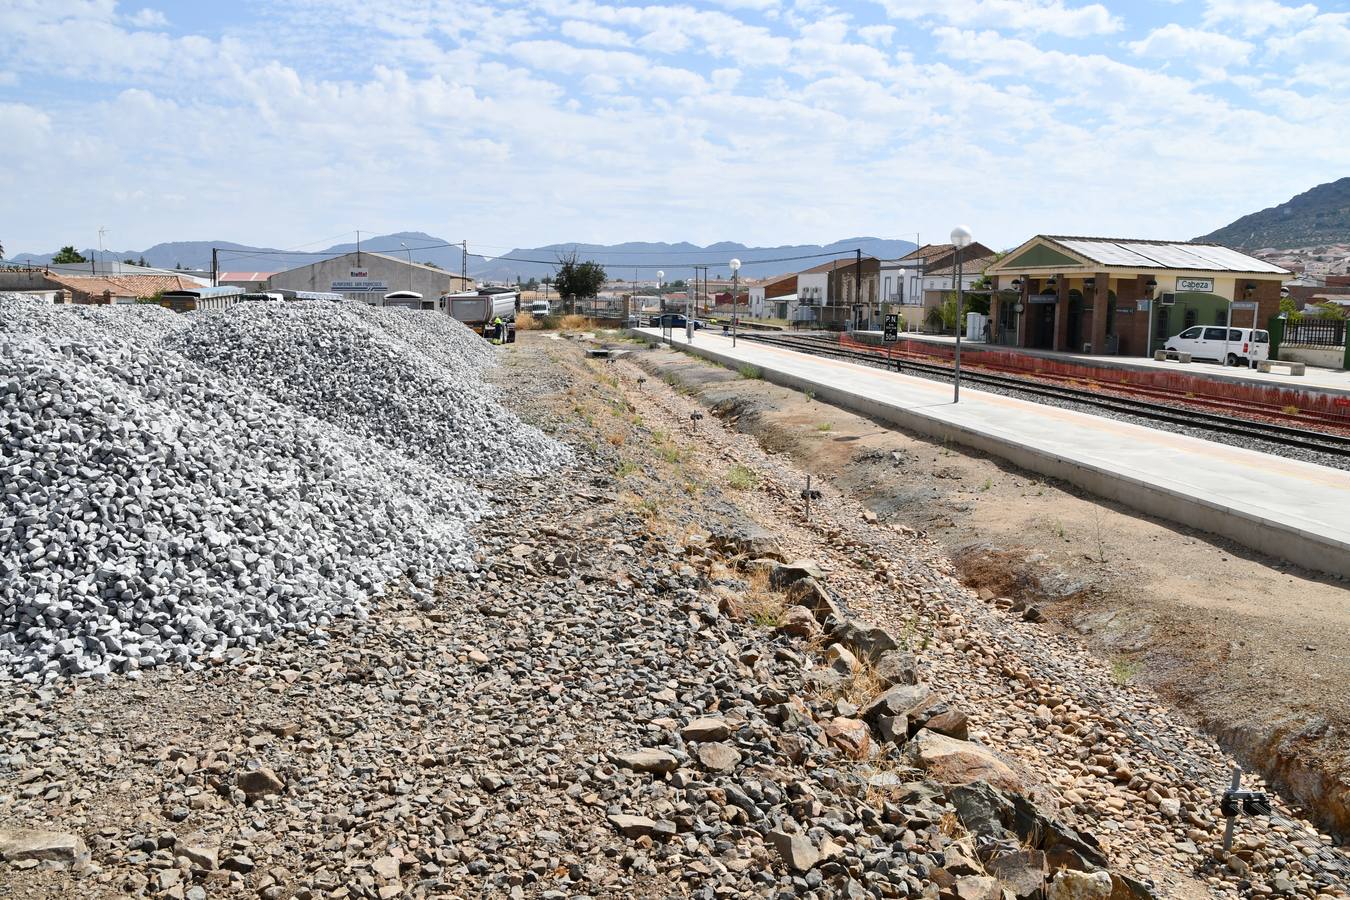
(215, 268)
(101, 231)
(858, 298)
(464, 262)
(358, 248)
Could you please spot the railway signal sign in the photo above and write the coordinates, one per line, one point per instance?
(891, 333)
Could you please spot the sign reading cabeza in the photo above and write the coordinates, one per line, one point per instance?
(891, 331)
(1203, 285)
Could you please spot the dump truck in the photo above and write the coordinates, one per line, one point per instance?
(480, 309)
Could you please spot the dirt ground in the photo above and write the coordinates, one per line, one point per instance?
(1257, 651)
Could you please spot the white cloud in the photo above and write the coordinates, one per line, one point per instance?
(1039, 16)
(1255, 17)
(877, 35)
(148, 18)
(1193, 45)
(589, 33)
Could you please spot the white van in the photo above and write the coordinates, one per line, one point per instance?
(1231, 346)
(539, 308)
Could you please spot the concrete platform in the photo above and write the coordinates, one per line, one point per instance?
(1287, 509)
(1331, 381)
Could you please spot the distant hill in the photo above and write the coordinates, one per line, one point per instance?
(1315, 217)
(636, 260)
(625, 261)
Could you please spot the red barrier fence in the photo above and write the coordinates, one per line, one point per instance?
(1261, 397)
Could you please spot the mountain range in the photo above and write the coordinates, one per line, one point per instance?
(1315, 217)
(627, 261)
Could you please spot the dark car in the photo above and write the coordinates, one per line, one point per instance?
(672, 320)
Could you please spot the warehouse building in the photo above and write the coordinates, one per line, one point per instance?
(362, 275)
(1124, 296)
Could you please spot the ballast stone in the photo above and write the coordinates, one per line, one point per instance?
(155, 511)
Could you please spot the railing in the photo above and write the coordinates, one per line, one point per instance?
(1316, 332)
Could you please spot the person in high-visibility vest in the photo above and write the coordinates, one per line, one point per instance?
(497, 328)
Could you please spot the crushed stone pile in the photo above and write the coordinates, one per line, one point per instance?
(353, 366)
(139, 322)
(153, 510)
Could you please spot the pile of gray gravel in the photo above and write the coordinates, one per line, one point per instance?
(155, 510)
(354, 366)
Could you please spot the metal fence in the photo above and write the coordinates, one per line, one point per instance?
(1316, 332)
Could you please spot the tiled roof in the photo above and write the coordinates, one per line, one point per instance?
(842, 262)
(929, 251)
(968, 266)
(123, 285)
(245, 276)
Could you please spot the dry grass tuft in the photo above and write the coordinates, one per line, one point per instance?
(615, 438)
(574, 322)
(526, 321)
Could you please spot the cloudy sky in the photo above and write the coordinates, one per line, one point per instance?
(290, 122)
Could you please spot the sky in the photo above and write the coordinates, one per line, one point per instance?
(293, 123)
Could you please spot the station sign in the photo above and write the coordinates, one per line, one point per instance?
(1244, 304)
(891, 333)
(1202, 285)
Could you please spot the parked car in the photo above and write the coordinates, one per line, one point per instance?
(674, 320)
(1231, 346)
(539, 308)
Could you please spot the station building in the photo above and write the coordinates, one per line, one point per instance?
(1126, 297)
(362, 275)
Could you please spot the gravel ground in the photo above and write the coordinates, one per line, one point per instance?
(1335, 461)
(620, 699)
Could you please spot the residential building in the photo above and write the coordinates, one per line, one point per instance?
(837, 295)
(90, 289)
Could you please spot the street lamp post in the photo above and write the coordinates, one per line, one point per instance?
(410, 268)
(961, 239)
(735, 283)
(661, 300)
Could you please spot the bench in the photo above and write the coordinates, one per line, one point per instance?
(1165, 355)
(1295, 368)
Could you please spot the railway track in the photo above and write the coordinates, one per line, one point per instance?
(1286, 435)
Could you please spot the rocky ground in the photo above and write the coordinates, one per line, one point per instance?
(660, 679)
(1207, 623)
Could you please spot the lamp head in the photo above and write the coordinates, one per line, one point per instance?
(735, 265)
(961, 237)
(660, 276)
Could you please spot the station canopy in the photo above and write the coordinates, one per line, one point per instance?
(1090, 253)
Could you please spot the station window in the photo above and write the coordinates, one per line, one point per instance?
(1190, 318)
(1220, 317)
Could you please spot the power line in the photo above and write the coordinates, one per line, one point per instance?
(547, 262)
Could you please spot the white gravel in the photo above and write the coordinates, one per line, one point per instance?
(154, 510)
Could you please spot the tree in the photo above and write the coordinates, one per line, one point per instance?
(129, 261)
(532, 284)
(1289, 307)
(141, 261)
(578, 279)
(68, 255)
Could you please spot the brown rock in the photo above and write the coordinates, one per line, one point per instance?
(796, 850)
(1022, 871)
(849, 735)
(809, 593)
(656, 761)
(708, 728)
(718, 757)
(799, 622)
(633, 826)
(841, 659)
(259, 782)
(950, 761)
(18, 844)
(978, 887)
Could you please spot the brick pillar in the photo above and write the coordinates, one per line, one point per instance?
(1101, 297)
(1061, 341)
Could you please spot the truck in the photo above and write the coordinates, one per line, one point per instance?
(481, 308)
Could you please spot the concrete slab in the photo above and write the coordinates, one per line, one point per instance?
(1285, 508)
(1331, 381)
